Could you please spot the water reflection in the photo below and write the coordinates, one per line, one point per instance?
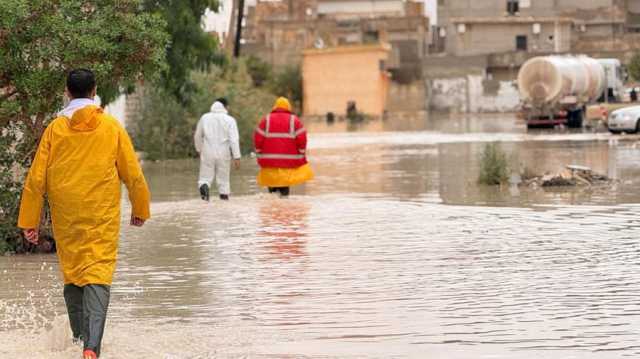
(283, 227)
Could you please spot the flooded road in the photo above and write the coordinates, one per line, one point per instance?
(392, 252)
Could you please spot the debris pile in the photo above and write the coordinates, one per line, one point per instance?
(571, 176)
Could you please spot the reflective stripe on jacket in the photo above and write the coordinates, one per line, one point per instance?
(281, 140)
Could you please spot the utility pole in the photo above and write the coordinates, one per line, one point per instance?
(236, 48)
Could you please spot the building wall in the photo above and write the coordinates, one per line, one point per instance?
(406, 97)
(462, 84)
(589, 20)
(454, 8)
(488, 38)
(333, 77)
(278, 32)
(473, 93)
(361, 7)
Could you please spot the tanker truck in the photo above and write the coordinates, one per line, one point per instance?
(556, 89)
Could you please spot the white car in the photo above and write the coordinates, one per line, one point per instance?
(625, 120)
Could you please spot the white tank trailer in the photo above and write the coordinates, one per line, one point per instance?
(556, 89)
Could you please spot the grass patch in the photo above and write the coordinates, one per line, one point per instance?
(494, 167)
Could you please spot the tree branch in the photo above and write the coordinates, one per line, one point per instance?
(7, 95)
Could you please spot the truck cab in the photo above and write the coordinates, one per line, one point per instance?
(615, 78)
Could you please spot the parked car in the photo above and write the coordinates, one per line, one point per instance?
(625, 120)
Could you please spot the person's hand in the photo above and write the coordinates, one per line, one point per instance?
(236, 164)
(31, 235)
(137, 222)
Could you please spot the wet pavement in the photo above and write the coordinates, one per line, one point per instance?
(393, 251)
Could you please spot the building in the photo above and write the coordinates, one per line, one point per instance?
(468, 27)
(333, 77)
(278, 31)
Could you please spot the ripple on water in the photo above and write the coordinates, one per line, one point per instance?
(344, 276)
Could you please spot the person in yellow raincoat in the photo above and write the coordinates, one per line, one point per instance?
(83, 156)
(281, 148)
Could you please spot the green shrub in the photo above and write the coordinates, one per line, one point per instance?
(260, 71)
(288, 83)
(634, 67)
(494, 167)
(164, 128)
(247, 103)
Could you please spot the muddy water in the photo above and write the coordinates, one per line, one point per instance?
(393, 251)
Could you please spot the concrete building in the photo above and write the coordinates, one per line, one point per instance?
(633, 16)
(278, 31)
(333, 77)
(526, 25)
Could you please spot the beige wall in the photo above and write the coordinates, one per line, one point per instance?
(333, 77)
(490, 38)
(592, 19)
(361, 7)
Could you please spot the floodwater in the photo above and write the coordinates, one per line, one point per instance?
(393, 251)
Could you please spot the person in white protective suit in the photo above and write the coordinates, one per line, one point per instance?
(218, 142)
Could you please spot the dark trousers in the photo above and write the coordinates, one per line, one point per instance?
(284, 191)
(87, 308)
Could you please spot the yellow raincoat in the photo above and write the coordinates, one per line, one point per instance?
(79, 165)
(284, 177)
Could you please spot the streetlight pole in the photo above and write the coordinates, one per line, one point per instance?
(236, 48)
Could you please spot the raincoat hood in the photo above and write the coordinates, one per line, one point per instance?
(282, 104)
(79, 167)
(84, 114)
(86, 119)
(218, 107)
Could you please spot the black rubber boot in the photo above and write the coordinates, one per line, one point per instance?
(204, 192)
(224, 197)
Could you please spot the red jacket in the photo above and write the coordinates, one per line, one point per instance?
(281, 140)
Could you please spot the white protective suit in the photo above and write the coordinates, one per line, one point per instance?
(217, 141)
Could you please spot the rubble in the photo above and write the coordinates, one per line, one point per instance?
(572, 175)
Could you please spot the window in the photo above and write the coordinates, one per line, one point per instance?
(370, 37)
(521, 43)
(513, 6)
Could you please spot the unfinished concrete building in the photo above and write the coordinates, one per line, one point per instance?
(279, 31)
(468, 27)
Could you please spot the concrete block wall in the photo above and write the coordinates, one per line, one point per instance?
(472, 94)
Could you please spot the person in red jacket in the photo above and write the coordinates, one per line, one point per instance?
(281, 144)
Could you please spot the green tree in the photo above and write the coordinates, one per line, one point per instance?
(261, 72)
(40, 41)
(634, 67)
(288, 83)
(164, 129)
(247, 103)
(191, 48)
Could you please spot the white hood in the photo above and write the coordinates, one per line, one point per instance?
(75, 105)
(218, 107)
